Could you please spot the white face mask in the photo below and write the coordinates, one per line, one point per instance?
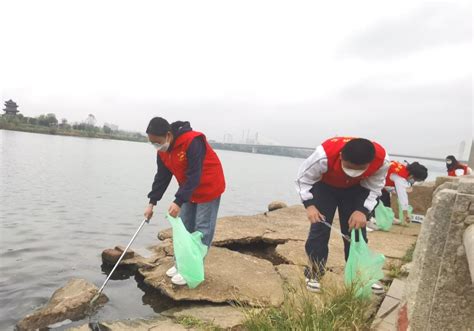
(161, 148)
(411, 181)
(449, 162)
(353, 172)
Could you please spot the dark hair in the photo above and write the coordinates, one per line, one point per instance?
(358, 151)
(418, 171)
(454, 163)
(158, 126)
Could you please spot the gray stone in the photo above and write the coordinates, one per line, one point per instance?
(443, 179)
(447, 185)
(230, 276)
(421, 281)
(223, 316)
(396, 289)
(468, 240)
(466, 185)
(389, 304)
(70, 302)
(111, 256)
(275, 205)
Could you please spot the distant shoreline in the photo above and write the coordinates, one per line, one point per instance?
(285, 151)
(73, 133)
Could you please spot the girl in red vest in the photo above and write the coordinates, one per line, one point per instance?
(455, 168)
(346, 174)
(186, 155)
(399, 178)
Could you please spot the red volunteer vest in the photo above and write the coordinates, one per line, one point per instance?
(212, 183)
(396, 168)
(335, 176)
(452, 173)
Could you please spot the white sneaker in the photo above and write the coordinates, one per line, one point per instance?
(369, 229)
(377, 289)
(178, 280)
(172, 271)
(313, 285)
(372, 224)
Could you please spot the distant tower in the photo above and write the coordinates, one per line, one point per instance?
(11, 108)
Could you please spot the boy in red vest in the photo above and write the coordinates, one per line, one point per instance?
(346, 174)
(186, 154)
(399, 178)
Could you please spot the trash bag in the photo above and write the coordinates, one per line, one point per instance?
(363, 267)
(384, 217)
(189, 252)
(400, 212)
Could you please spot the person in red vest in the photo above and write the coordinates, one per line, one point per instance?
(456, 168)
(186, 155)
(346, 174)
(399, 178)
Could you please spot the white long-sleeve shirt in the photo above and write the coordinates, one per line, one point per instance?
(401, 185)
(313, 168)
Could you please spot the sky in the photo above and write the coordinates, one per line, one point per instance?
(296, 72)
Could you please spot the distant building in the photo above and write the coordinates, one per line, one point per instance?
(11, 108)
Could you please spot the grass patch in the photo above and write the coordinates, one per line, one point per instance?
(395, 270)
(195, 323)
(408, 257)
(336, 308)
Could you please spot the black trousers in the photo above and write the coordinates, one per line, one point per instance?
(385, 198)
(327, 199)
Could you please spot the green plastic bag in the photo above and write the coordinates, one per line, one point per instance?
(363, 267)
(384, 217)
(189, 252)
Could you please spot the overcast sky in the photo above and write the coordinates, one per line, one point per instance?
(296, 72)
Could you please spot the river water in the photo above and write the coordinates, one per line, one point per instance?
(63, 200)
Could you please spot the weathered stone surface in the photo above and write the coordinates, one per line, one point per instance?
(468, 240)
(427, 257)
(223, 316)
(454, 290)
(69, 302)
(276, 205)
(447, 185)
(154, 324)
(466, 185)
(274, 227)
(230, 276)
(444, 179)
(293, 275)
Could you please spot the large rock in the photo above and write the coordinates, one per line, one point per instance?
(69, 302)
(276, 227)
(393, 245)
(223, 316)
(230, 276)
(112, 255)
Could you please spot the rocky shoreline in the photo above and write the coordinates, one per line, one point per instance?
(251, 260)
